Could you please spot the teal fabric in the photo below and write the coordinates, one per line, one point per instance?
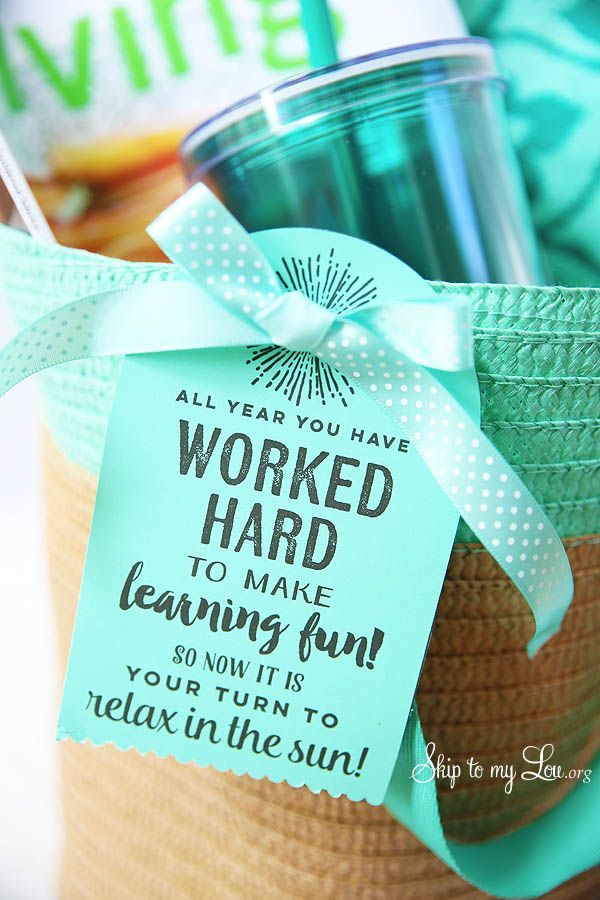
(548, 53)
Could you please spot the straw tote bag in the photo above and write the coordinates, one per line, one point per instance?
(138, 826)
(141, 827)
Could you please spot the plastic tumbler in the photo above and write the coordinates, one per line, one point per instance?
(408, 149)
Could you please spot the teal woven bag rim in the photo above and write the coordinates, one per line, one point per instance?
(26, 264)
(537, 358)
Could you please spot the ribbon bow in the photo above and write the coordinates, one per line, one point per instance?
(231, 296)
(202, 237)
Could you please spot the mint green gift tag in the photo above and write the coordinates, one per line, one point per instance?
(265, 560)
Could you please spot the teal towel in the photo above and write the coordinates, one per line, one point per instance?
(548, 51)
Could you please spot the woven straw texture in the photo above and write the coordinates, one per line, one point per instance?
(139, 827)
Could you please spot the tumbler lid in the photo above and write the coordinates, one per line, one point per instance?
(471, 59)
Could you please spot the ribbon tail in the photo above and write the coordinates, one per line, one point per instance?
(167, 315)
(528, 862)
(489, 495)
(208, 243)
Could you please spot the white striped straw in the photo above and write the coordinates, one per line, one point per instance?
(22, 195)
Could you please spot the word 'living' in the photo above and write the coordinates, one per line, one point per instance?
(325, 480)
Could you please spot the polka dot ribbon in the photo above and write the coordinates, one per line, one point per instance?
(385, 353)
(229, 295)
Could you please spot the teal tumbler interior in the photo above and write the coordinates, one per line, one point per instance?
(408, 149)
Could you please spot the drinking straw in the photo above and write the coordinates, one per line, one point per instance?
(320, 33)
(22, 195)
(449, 160)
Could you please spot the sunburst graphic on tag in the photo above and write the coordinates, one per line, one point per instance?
(300, 375)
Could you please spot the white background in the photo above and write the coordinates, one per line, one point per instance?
(29, 820)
